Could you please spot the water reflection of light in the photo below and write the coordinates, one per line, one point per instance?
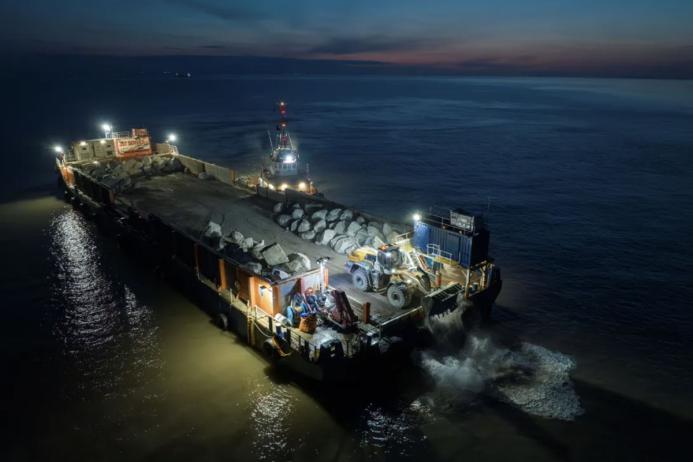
(393, 431)
(270, 418)
(90, 307)
(109, 335)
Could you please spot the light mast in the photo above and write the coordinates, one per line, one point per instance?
(284, 156)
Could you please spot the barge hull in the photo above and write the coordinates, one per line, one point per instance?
(162, 219)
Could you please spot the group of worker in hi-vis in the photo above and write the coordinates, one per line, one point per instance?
(303, 311)
(335, 308)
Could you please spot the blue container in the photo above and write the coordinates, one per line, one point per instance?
(468, 249)
(421, 235)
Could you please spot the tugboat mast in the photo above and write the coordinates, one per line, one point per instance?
(283, 138)
(283, 155)
(283, 162)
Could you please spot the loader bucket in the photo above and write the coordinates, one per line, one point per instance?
(442, 301)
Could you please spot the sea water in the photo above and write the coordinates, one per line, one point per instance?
(587, 189)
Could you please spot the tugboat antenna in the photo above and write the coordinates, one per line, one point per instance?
(283, 136)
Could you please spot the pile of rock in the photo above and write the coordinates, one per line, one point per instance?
(119, 175)
(271, 257)
(342, 229)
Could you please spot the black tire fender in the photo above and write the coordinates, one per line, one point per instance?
(222, 321)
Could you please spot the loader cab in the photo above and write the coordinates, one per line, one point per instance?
(390, 257)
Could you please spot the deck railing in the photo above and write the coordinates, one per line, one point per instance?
(296, 338)
(125, 134)
(433, 250)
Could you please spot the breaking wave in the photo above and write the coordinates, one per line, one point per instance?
(529, 377)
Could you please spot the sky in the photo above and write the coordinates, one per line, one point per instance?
(493, 36)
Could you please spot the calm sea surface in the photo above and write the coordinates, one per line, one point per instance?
(588, 186)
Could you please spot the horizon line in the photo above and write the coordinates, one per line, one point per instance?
(368, 67)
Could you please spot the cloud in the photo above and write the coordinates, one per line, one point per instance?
(218, 10)
(354, 45)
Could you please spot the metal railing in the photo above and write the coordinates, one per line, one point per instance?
(295, 337)
(125, 134)
(435, 251)
(402, 237)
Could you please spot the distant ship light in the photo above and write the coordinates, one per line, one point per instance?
(171, 138)
(58, 149)
(302, 186)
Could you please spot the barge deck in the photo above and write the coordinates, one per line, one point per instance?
(188, 204)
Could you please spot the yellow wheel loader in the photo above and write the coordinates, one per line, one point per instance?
(390, 270)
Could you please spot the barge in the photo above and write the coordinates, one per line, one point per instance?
(316, 286)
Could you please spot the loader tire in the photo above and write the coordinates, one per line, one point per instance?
(398, 296)
(360, 280)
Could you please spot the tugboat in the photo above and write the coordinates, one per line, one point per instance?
(283, 169)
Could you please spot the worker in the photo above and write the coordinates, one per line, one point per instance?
(293, 311)
(312, 301)
(293, 314)
(297, 307)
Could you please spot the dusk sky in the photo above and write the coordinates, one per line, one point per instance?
(539, 35)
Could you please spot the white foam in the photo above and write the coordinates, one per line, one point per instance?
(452, 373)
(548, 392)
(531, 378)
